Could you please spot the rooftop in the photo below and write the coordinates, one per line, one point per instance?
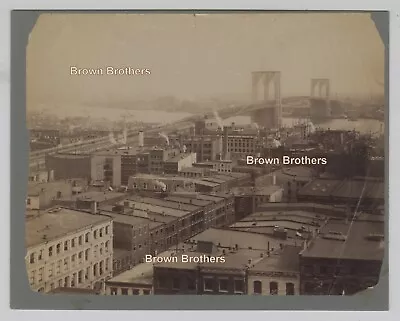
(352, 241)
(130, 219)
(259, 190)
(244, 240)
(286, 260)
(178, 157)
(34, 188)
(50, 226)
(140, 274)
(94, 196)
(165, 203)
(157, 209)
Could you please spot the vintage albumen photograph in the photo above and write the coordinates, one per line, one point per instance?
(205, 154)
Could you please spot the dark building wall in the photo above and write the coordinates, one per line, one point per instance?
(69, 167)
(320, 276)
(175, 281)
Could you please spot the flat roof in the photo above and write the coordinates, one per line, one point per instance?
(356, 245)
(188, 200)
(346, 188)
(93, 196)
(258, 190)
(166, 203)
(178, 157)
(140, 274)
(244, 240)
(159, 209)
(130, 219)
(34, 188)
(285, 260)
(52, 226)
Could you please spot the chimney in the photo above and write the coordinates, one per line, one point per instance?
(220, 147)
(93, 207)
(225, 144)
(141, 138)
(274, 179)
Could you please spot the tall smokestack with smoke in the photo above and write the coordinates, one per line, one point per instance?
(124, 137)
(218, 119)
(225, 144)
(141, 138)
(220, 147)
(165, 136)
(111, 138)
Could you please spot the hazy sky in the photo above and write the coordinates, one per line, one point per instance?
(198, 57)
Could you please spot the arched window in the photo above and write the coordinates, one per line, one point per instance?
(273, 288)
(257, 287)
(289, 288)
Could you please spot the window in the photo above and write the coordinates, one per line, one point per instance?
(257, 287)
(107, 230)
(107, 245)
(101, 267)
(80, 240)
(66, 246)
(32, 258)
(80, 276)
(65, 264)
(124, 291)
(146, 292)
(95, 270)
(50, 251)
(289, 288)
(73, 259)
(58, 248)
(73, 242)
(135, 291)
(87, 273)
(114, 291)
(28, 201)
(40, 274)
(101, 232)
(107, 264)
(51, 268)
(208, 284)
(86, 254)
(86, 237)
(32, 277)
(95, 234)
(238, 286)
(80, 255)
(58, 267)
(95, 250)
(40, 255)
(273, 288)
(223, 285)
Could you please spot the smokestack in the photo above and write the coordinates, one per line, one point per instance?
(225, 144)
(341, 139)
(274, 179)
(141, 138)
(220, 147)
(93, 207)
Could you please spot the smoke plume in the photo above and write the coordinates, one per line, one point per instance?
(165, 136)
(162, 185)
(218, 119)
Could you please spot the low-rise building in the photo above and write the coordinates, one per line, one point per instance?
(248, 198)
(68, 248)
(41, 195)
(176, 163)
(343, 259)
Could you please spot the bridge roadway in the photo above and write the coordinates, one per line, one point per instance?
(37, 159)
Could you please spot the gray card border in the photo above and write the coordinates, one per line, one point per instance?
(21, 297)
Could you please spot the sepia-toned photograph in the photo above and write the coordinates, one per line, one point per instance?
(205, 154)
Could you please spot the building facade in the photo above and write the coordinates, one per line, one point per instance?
(68, 248)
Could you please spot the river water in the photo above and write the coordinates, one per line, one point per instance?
(163, 117)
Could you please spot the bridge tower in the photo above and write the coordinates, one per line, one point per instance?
(271, 100)
(320, 98)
